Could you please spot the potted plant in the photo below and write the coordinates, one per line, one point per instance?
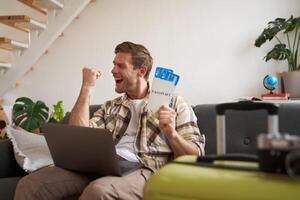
(57, 113)
(287, 48)
(28, 114)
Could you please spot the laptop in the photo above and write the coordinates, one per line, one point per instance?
(85, 150)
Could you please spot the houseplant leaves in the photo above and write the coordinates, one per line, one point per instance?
(281, 51)
(270, 32)
(58, 112)
(28, 114)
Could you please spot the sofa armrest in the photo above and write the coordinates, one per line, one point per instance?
(93, 108)
(8, 167)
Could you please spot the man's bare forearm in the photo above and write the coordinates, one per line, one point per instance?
(182, 147)
(80, 113)
(167, 121)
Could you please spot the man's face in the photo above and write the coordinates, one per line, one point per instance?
(126, 78)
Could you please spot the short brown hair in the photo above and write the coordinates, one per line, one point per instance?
(140, 55)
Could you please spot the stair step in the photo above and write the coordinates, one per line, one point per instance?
(9, 44)
(42, 5)
(50, 4)
(4, 66)
(37, 8)
(22, 21)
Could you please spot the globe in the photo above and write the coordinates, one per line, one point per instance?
(270, 82)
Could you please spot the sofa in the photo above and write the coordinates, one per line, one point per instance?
(242, 129)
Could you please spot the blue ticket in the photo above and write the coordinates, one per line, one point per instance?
(174, 78)
(163, 73)
(162, 88)
(166, 74)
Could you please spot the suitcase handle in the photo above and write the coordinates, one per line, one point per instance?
(229, 157)
(208, 161)
(243, 106)
(271, 108)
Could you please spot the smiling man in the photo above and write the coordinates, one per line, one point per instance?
(142, 136)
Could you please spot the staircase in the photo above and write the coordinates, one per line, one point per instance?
(41, 34)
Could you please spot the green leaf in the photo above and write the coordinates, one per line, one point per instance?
(58, 112)
(24, 100)
(291, 24)
(279, 52)
(295, 60)
(28, 114)
(269, 33)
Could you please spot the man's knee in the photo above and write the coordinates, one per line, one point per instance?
(50, 183)
(96, 190)
(26, 189)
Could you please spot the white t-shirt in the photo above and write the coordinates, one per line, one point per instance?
(125, 147)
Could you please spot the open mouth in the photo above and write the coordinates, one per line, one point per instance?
(118, 80)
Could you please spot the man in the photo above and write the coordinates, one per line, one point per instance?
(140, 135)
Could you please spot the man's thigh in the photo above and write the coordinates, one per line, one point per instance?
(50, 183)
(110, 187)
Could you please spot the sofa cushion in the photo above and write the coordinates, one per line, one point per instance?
(8, 166)
(8, 187)
(289, 118)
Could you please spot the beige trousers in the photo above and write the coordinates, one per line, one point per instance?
(57, 183)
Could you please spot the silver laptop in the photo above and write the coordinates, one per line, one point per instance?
(86, 150)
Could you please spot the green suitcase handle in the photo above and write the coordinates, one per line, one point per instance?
(229, 157)
(208, 161)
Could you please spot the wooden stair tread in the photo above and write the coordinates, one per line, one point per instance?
(52, 4)
(37, 8)
(9, 44)
(42, 5)
(21, 22)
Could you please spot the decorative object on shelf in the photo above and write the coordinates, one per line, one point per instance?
(28, 114)
(270, 83)
(290, 82)
(57, 113)
(280, 96)
(288, 50)
(3, 123)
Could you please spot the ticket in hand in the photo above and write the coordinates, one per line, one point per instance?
(162, 89)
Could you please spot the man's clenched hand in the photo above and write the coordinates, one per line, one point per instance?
(167, 118)
(90, 75)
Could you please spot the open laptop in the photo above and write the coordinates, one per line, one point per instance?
(86, 150)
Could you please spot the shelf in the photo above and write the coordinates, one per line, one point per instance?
(282, 101)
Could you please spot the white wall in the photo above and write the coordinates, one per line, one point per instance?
(209, 43)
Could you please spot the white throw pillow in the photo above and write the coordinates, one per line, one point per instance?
(31, 150)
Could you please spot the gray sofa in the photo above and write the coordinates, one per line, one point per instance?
(242, 128)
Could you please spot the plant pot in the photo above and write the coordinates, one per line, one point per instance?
(291, 83)
(36, 131)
